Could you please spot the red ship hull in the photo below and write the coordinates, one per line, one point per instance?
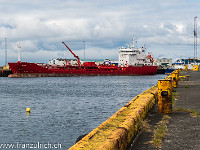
(25, 69)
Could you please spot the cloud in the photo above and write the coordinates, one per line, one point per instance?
(41, 26)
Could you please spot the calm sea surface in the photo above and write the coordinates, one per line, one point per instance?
(62, 108)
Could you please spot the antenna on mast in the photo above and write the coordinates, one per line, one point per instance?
(133, 42)
(19, 52)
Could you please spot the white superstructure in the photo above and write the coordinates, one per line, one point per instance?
(62, 62)
(132, 56)
(179, 64)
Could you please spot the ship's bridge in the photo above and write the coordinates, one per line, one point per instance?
(128, 51)
(131, 56)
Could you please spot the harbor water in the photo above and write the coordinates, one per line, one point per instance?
(62, 108)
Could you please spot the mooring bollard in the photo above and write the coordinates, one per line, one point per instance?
(175, 80)
(186, 67)
(165, 96)
(195, 68)
(177, 71)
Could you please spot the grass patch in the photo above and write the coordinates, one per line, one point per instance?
(165, 119)
(157, 142)
(193, 113)
(160, 131)
(174, 97)
(187, 87)
(180, 110)
(144, 126)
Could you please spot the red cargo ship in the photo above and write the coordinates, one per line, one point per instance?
(131, 61)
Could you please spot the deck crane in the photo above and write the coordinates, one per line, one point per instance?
(73, 54)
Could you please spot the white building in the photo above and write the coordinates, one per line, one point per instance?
(164, 62)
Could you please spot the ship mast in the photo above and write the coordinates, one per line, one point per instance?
(133, 42)
(19, 52)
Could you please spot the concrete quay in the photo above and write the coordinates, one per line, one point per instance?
(117, 132)
(133, 126)
(183, 130)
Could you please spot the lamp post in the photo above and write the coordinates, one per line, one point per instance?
(84, 49)
(5, 52)
(195, 38)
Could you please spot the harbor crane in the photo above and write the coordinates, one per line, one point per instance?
(73, 54)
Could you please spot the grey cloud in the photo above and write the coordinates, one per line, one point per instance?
(106, 25)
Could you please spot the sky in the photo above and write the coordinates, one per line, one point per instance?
(164, 27)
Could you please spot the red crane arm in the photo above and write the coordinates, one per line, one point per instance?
(72, 53)
(70, 50)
